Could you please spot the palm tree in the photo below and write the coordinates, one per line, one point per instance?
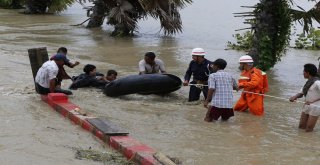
(46, 6)
(125, 14)
(270, 22)
(305, 17)
(38, 6)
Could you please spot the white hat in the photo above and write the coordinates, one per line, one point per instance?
(198, 52)
(245, 59)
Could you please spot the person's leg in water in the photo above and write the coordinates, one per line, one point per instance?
(194, 93)
(311, 123)
(303, 120)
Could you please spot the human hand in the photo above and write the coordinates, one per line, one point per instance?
(77, 63)
(240, 86)
(205, 104)
(292, 99)
(186, 83)
(308, 103)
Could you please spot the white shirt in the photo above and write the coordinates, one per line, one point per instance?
(47, 72)
(147, 68)
(313, 93)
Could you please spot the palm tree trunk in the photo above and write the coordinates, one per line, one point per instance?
(98, 14)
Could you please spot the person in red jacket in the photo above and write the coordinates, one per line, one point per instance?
(254, 84)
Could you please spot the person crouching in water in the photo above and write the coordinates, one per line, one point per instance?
(46, 78)
(111, 75)
(311, 92)
(90, 78)
(254, 84)
(62, 74)
(151, 65)
(221, 86)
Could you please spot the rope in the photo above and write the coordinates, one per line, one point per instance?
(280, 98)
(200, 86)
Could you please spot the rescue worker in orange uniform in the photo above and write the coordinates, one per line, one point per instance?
(253, 82)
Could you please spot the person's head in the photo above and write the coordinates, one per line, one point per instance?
(149, 57)
(219, 64)
(62, 50)
(111, 75)
(310, 70)
(246, 62)
(198, 55)
(90, 69)
(60, 59)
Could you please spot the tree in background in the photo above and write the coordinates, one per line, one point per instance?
(271, 22)
(11, 4)
(38, 6)
(124, 15)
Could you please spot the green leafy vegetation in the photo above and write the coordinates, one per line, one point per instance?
(271, 23)
(243, 41)
(310, 41)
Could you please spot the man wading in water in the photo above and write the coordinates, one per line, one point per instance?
(311, 92)
(253, 82)
(199, 68)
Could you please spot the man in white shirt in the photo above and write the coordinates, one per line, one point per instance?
(46, 78)
(150, 65)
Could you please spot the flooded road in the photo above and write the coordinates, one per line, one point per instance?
(33, 133)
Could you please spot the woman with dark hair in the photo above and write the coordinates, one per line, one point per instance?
(311, 92)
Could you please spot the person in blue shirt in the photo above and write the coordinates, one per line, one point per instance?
(199, 69)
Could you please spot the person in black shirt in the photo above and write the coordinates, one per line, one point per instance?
(199, 68)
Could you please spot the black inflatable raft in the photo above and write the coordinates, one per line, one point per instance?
(143, 84)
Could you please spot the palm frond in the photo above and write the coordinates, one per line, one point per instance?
(120, 17)
(59, 5)
(305, 17)
(181, 3)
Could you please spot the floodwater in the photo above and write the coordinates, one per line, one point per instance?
(33, 134)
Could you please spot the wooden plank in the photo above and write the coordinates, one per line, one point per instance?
(107, 127)
(37, 57)
(163, 159)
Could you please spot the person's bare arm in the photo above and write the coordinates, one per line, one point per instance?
(209, 97)
(295, 97)
(52, 85)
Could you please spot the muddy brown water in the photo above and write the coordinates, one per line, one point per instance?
(33, 134)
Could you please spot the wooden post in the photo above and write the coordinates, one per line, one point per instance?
(37, 57)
